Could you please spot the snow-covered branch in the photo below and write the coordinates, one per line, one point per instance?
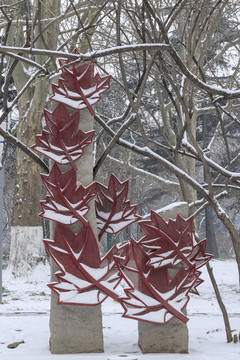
(234, 176)
(164, 183)
(148, 153)
(87, 56)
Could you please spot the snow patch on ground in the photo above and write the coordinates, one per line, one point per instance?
(24, 315)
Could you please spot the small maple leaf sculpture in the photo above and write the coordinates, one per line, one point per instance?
(64, 143)
(114, 211)
(80, 88)
(66, 203)
(151, 295)
(171, 243)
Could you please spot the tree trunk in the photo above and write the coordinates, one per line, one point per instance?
(210, 233)
(26, 232)
(209, 226)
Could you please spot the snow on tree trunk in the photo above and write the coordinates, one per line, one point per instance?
(25, 212)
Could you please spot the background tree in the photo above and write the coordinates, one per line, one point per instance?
(180, 97)
(24, 29)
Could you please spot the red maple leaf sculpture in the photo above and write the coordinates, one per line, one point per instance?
(84, 278)
(172, 243)
(114, 211)
(198, 255)
(66, 203)
(80, 88)
(64, 143)
(152, 296)
(160, 270)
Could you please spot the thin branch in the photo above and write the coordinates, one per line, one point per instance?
(221, 304)
(9, 137)
(28, 61)
(114, 140)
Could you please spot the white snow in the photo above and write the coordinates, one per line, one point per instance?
(24, 315)
(171, 206)
(96, 273)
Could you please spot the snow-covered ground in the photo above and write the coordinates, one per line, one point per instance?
(24, 316)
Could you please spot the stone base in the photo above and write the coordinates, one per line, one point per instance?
(75, 329)
(168, 338)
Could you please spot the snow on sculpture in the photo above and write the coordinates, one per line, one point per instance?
(160, 270)
(67, 202)
(79, 88)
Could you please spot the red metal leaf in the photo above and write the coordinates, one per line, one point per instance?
(151, 295)
(198, 256)
(199, 281)
(80, 88)
(66, 203)
(113, 210)
(84, 278)
(168, 243)
(64, 142)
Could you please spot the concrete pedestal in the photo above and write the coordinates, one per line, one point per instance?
(169, 338)
(75, 329)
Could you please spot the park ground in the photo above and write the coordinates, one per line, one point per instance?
(24, 317)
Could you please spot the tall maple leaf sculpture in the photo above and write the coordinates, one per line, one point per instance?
(160, 270)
